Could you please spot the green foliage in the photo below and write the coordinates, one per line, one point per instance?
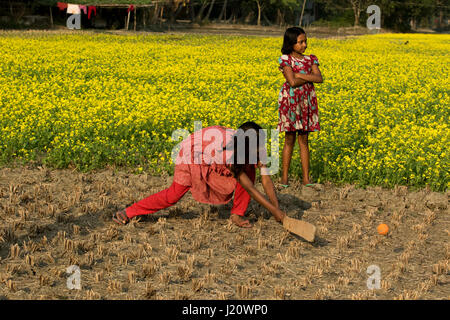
(345, 20)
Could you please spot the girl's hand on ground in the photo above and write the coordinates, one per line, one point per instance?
(279, 215)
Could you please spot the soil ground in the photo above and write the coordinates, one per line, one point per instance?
(52, 219)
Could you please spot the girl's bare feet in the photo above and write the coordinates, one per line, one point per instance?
(121, 217)
(282, 185)
(237, 220)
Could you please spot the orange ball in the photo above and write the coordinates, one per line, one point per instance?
(383, 229)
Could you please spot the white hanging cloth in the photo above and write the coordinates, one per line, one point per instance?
(73, 9)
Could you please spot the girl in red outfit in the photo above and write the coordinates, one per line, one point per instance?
(212, 166)
(297, 101)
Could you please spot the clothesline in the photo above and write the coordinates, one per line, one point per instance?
(125, 5)
(116, 5)
(76, 9)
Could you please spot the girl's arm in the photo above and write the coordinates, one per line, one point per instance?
(247, 184)
(268, 186)
(315, 75)
(291, 77)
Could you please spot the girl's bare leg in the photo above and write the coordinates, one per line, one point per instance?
(304, 155)
(241, 200)
(289, 144)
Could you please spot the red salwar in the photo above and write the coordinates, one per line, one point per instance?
(170, 196)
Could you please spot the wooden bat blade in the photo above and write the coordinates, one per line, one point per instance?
(301, 228)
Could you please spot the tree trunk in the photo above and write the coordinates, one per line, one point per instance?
(356, 6)
(301, 15)
(143, 17)
(134, 19)
(155, 14)
(51, 18)
(175, 11)
(414, 23)
(173, 8)
(210, 9)
(232, 18)
(222, 11)
(180, 8)
(192, 12)
(267, 19)
(258, 21)
(21, 8)
(315, 11)
(200, 13)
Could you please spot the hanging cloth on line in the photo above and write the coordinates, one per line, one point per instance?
(61, 5)
(84, 8)
(90, 9)
(130, 8)
(73, 9)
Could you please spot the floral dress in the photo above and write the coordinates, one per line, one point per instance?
(297, 107)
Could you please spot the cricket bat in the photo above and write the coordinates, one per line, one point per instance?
(301, 228)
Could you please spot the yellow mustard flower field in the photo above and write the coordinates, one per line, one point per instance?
(88, 100)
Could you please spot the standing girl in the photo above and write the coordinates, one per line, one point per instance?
(205, 167)
(297, 102)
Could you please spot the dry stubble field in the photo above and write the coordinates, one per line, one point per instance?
(52, 219)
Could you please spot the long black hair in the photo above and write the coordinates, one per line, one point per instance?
(241, 160)
(290, 39)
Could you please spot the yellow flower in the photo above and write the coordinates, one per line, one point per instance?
(381, 113)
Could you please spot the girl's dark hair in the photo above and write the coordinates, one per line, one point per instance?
(290, 39)
(237, 166)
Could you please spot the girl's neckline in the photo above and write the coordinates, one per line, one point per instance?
(298, 58)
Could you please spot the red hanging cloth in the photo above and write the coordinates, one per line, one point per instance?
(61, 5)
(90, 9)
